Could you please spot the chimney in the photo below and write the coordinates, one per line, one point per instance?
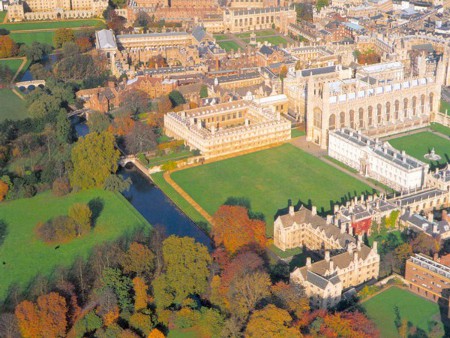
(362, 198)
(291, 210)
(430, 217)
(336, 208)
(308, 262)
(375, 246)
(444, 215)
(436, 257)
(327, 255)
(342, 226)
(331, 266)
(435, 229)
(329, 219)
(355, 256)
(350, 230)
(314, 210)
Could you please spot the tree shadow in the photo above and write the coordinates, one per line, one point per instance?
(245, 202)
(3, 231)
(96, 205)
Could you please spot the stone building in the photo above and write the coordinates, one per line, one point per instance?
(245, 20)
(378, 107)
(231, 127)
(376, 159)
(305, 228)
(325, 280)
(428, 278)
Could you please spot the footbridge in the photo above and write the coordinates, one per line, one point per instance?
(30, 85)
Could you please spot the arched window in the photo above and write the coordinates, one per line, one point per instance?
(352, 119)
(342, 119)
(361, 117)
(332, 122)
(370, 115)
(388, 111)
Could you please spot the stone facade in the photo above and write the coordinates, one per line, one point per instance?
(231, 127)
(376, 159)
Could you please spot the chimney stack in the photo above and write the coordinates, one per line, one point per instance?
(435, 229)
(331, 266)
(342, 226)
(291, 210)
(430, 217)
(327, 255)
(308, 262)
(350, 230)
(444, 215)
(375, 246)
(314, 210)
(329, 219)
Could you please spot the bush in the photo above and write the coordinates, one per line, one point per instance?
(61, 186)
(57, 230)
(171, 165)
(81, 214)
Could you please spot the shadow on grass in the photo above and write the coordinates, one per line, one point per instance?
(96, 205)
(3, 231)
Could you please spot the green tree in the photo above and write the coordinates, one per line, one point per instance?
(204, 91)
(98, 122)
(321, 3)
(88, 323)
(63, 35)
(64, 129)
(36, 51)
(116, 183)
(176, 98)
(121, 285)
(94, 158)
(186, 271)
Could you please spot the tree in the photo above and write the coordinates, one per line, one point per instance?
(8, 326)
(84, 43)
(98, 122)
(186, 271)
(6, 75)
(36, 51)
(423, 243)
(63, 35)
(61, 186)
(116, 183)
(94, 158)
(39, 72)
(321, 3)
(139, 260)
(88, 323)
(283, 74)
(155, 333)
(270, 322)
(176, 98)
(70, 49)
(121, 285)
(140, 294)
(3, 190)
(289, 297)
(122, 125)
(401, 254)
(135, 101)
(233, 228)
(82, 215)
(47, 318)
(8, 47)
(142, 322)
(203, 91)
(140, 139)
(64, 129)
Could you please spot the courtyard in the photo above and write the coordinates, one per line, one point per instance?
(269, 179)
(400, 304)
(241, 40)
(419, 144)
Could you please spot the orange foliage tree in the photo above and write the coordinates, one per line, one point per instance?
(156, 334)
(121, 125)
(140, 294)
(8, 47)
(47, 318)
(270, 322)
(233, 228)
(3, 190)
(138, 259)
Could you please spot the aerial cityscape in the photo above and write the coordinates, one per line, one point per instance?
(224, 168)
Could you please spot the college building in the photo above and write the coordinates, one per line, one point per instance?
(231, 127)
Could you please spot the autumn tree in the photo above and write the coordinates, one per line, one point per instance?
(348, 324)
(270, 322)
(84, 43)
(233, 228)
(94, 158)
(138, 259)
(98, 122)
(8, 47)
(3, 190)
(155, 333)
(63, 35)
(141, 138)
(8, 326)
(401, 254)
(289, 297)
(186, 271)
(423, 243)
(122, 125)
(140, 294)
(82, 215)
(135, 101)
(47, 318)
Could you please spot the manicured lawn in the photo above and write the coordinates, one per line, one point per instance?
(274, 40)
(12, 64)
(257, 33)
(269, 179)
(297, 133)
(2, 16)
(381, 309)
(169, 157)
(12, 107)
(180, 202)
(29, 37)
(220, 37)
(24, 255)
(229, 45)
(440, 128)
(417, 145)
(51, 24)
(445, 106)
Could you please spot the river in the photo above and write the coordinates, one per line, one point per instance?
(152, 203)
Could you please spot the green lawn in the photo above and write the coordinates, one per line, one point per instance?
(445, 106)
(417, 145)
(274, 40)
(29, 37)
(257, 33)
(381, 309)
(24, 255)
(51, 24)
(297, 133)
(440, 128)
(2, 16)
(12, 107)
(269, 179)
(229, 45)
(13, 64)
(220, 37)
(180, 202)
(176, 156)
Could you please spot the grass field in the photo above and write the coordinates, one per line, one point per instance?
(445, 106)
(274, 40)
(220, 37)
(257, 33)
(269, 179)
(12, 107)
(229, 45)
(417, 145)
(297, 132)
(51, 24)
(440, 128)
(381, 309)
(2, 16)
(29, 37)
(25, 256)
(13, 64)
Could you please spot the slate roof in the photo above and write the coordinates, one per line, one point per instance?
(106, 39)
(199, 33)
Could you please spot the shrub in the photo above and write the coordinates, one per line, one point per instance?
(61, 186)
(171, 165)
(81, 214)
(57, 230)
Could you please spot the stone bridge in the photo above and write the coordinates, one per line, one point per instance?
(124, 160)
(30, 84)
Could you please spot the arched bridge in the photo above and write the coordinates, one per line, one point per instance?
(30, 85)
